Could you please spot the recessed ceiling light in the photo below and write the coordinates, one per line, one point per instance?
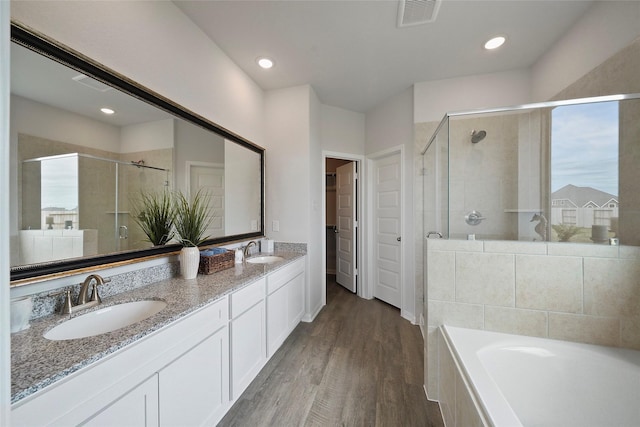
(107, 110)
(495, 43)
(265, 62)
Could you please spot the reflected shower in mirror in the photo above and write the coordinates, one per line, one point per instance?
(77, 169)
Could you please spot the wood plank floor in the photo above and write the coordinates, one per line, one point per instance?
(358, 364)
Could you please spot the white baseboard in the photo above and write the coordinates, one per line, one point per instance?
(410, 317)
(310, 317)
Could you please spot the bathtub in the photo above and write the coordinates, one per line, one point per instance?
(512, 380)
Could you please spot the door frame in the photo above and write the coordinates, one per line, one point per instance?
(361, 283)
(370, 234)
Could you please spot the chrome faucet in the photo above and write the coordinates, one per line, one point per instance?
(84, 301)
(246, 248)
(84, 289)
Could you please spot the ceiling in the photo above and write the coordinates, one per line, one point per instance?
(36, 77)
(353, 54)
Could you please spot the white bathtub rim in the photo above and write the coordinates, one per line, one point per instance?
(491, 404)
(468, 344)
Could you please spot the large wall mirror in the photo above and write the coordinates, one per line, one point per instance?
(77, 169)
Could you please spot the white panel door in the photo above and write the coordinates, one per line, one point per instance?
(346, 226)
(210, 178)
(387, 227)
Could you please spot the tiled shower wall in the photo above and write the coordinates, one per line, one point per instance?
(576, 292)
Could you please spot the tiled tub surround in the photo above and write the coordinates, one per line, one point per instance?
(574, 292)
(37, 362)
(496, 379)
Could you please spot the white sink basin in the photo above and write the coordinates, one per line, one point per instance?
(265, 259)
(105, 320)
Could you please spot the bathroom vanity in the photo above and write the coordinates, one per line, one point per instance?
(185, 365)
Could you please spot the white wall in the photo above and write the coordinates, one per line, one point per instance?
(241, 189)
(390, 123)
(606, 28)
(341, 130)
(203, 146)
(45, 121)
(287, 119)
(146, 136)
(293, 181)
(433, 99)
(156, 45)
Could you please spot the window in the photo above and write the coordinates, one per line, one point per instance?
(569, 216)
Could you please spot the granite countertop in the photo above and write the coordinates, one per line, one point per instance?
(37, 362)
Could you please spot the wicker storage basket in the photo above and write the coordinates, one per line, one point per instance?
(212, 263)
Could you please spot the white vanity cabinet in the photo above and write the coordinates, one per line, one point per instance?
(285, 303)
(130, 385)
(247, 329)
(187, 373)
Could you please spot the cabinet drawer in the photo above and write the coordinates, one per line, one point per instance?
(282, 276)
(240, 301)
(218, 314)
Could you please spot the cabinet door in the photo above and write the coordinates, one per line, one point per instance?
(285, 308)
(248, 347)
(194, 389)
(139, 407)
(295, 304)
(277, 319)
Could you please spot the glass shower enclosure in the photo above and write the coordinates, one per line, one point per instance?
(82, 202)
(564, 171)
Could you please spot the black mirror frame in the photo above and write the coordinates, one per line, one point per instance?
(39, 43)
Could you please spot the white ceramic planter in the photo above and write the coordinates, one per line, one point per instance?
(189, 261)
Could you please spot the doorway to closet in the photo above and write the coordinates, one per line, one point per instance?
(342, 222)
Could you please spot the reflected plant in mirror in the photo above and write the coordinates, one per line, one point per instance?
(78, 173)
(154, 214)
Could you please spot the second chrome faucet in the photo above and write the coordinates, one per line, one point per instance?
(247, 251)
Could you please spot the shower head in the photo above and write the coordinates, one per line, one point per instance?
(477, 136)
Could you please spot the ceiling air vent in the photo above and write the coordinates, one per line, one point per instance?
(92, 83)
(416, 12)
